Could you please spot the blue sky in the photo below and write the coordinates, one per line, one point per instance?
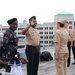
(44, 10)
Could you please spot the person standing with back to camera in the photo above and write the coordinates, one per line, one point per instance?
(32, 46)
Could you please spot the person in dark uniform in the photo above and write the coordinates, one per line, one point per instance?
(32, 46)
(10, 40)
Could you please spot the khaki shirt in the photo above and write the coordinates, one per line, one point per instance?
(73, 35)
(70, 34)
(32, 37)
(61, 36)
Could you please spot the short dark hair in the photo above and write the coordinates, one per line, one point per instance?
(61, 25)
(33, 17)
(10, 21)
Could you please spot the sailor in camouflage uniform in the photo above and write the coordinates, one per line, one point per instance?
(10, 40)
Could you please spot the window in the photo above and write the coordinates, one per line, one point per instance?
(46, 28)
(46, 37)
(19, 32)
(20, 28)
(40, 28)
(4, 28)
(37, 28)
(41, 37)
(50, 37)
(46, 32)
(70, 22)
(21, 37)
(50, 28)
(46, 41)
(70, 27)
(41, 41)
(50, 32)
(41, 32)
(41, 45)
(49, 41)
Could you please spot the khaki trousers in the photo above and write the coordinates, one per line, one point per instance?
(61, 64)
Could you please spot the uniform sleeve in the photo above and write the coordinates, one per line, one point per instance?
(71, 33)
(5, 40)
(57, 37)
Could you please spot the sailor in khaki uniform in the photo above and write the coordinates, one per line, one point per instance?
(32, 46)
(70, 40)
(73, 45)
(61, 50)
(32, 37)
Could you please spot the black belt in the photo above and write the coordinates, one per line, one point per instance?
(32, 46)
